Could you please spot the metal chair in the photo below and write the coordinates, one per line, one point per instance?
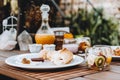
(11, 25)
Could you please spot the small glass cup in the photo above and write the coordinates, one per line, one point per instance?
(99, 58)
(59, 39)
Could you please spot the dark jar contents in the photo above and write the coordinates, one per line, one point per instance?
(59, 38)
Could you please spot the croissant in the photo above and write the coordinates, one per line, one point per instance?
(60, 57)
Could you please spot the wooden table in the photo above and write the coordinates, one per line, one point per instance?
(79, 72)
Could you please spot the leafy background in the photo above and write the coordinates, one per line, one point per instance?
(95, 25)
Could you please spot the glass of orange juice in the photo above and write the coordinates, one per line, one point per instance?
(99, 58)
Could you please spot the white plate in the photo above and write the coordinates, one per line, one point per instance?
(15, 61)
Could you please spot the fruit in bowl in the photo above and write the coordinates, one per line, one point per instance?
(84, 43)
(68, 35)
(99, 59)
(117, 51)
(69, 39)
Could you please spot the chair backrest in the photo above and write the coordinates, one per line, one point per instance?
(11, 25)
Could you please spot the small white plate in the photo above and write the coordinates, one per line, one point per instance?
(15, 61)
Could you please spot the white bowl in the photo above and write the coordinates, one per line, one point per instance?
(71, 47)
(35, 48)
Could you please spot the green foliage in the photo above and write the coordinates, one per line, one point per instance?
(96, 26)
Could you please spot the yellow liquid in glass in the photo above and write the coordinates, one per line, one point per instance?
(44, 38)
(109, 59)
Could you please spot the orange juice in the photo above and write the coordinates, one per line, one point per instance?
(44, 38)
(109, 59)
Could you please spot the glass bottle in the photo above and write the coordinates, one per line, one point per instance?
(44, 34)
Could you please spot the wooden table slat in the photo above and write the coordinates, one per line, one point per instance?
(15, 75)
(63, 73)
(73, 75)
(52, 75)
